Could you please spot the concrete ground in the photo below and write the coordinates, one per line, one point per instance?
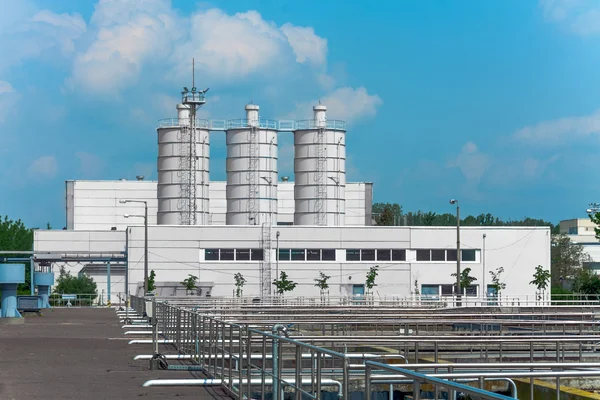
(81, 353)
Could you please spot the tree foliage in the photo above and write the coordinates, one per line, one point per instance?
(586, 282)
(496, 280)
(15, 236)
(595, 218)
(392, 214)
(189, 283)
(69, 284)
(283, 284)
(541, 277)
(321, 281)
(567, 258)
(240, 281)
(371, 275)
(152, 281)
(465, 278)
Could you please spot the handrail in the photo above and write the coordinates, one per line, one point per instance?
(281, 126)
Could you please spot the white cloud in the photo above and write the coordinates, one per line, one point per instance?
(43, 167)
(130, 37)
(559, 130)
(90, 165)
(346, 104)
(471, 162)
(580, 16)
(307, 46)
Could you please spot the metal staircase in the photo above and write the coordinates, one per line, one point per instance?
(321, 189)
(253, 164)
(265, 265)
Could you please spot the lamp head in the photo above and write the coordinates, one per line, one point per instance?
(453, 201)
(122, 201)
(589, 211)
(125, 215)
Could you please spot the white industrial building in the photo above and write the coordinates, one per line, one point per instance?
(259, 224)
(581, 231)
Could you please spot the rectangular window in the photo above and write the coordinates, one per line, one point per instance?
(328, 254)
(468, 255)
(447, 290)
(573, 230)
(450, 255)
(257, 254)
(430, 290)
(284, 254)
(438, 255)
(313, 255)
(383, 254)
(227, 254)
(284, 223)
(242, 254)
(352, 255)
(298, 255)
(211, 254)
(367, 255)
(471, 290)
(398, 255)
(423, 255)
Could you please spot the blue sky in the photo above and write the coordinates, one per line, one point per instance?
(492, 102)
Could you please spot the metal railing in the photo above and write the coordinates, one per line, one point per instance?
(331, 124)
(74, 300)
(265, 353)
(282, 126)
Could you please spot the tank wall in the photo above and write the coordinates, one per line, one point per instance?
(170, 176)
(334, 177)
(238, 178)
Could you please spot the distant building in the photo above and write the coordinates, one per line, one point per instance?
(581, 231)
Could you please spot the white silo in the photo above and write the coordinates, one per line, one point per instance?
(251, 170)
(175, 166)
(320, 170)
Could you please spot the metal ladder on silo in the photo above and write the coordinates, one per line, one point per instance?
(252, 177)
(183, 174)
(321, 190)
(265, 265)
(193, 170)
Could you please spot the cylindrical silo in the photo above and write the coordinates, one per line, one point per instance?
(251, 170)
(174, 168)
(320, 170)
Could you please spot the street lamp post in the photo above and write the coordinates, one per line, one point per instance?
(458, 289)
(484, 288)
(145, 216)
(277, 255)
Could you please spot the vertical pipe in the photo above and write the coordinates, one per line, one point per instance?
(249, 362)
(108, 284)
(31, 268)
(367, 382)
(240, 362)
(264, 367)
(458, 288)
(276, 375)
(484, 288)
(319, 361)
(346, 383)
(416, 390)
(145, 248)
(231, 359)
(298, 376)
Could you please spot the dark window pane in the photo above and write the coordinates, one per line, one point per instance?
(328, 254)
(257, 254)
(242, 254)
(352, 255)
(468, 255)
(450, 255)
(447, 290)
(438, 255)
(471, 290)
(383, 254)
(285, 223)
(298, 255)
(398, 255)
(313, 254)
(423, 255)
(227, 254)
(430, 290)
(211, 254)
(367, 255)
(284, 254)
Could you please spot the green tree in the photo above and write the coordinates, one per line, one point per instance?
(81, 284)
(566, 259)
(595, 218)
(386, 214)
(586, 282)
(496, 282)
(465, 278)
(371, 275)
(189, 283)
(152, 281)
(283, 284)
(541, 277)
(239, 284)
(15, 236)
(321, 281)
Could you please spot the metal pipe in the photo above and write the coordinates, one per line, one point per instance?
(512, 385)
(31, 283)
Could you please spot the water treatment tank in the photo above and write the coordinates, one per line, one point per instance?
(44, 281)
(251, 168)
(320, 170)
(174, 162)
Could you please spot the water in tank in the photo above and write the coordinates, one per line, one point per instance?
(251, 168)
(320, 170)
(172, 169)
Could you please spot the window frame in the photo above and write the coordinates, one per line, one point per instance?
(210, 251)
